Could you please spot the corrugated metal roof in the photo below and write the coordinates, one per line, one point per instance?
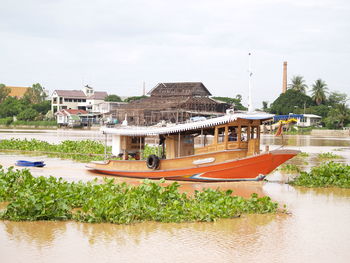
(176, 128)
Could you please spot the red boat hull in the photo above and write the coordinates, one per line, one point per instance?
(251, 168)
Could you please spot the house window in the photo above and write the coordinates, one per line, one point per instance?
(84, 100)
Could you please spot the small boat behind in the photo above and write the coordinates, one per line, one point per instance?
(30, 164)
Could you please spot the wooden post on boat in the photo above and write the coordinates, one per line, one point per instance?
(178, 146)
(226, 137)
(105, 146)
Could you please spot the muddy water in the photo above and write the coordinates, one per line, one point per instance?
(316, 230)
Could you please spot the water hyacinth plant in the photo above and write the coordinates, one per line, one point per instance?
(292, 168)
(328, 155)
(326, 175)
(41, 198)
(85, 150)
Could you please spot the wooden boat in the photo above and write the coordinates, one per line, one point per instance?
(30, 164)
(226, 148)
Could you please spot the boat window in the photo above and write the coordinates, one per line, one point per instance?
(244, 133)
(221, 135)
(254, 132)
(137, 140)
(232, 134)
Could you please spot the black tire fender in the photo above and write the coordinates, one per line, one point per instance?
(152, 162)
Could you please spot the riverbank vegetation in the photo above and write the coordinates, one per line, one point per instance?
(48, 198)
(329, 174)
(84, 151)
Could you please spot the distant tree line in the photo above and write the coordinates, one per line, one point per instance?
(332, 106)
(31, 107)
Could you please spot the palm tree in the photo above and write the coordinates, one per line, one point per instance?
(298, 84)
(319, 90)
(340, 114)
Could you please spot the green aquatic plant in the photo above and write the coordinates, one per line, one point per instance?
(289, 168)
(326, 175)
(85, 150)
(49, 198)
(328, 155)
(303, 154)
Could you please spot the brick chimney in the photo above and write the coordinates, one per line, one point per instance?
(284, 85)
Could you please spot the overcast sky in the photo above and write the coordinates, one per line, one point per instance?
(115, 45)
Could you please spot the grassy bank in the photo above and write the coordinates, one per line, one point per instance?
(9, 123)
(41, 198)
(326, 175)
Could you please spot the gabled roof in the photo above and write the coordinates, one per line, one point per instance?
(170, 89)
(78, 94)
(17, 91)
(98, 95)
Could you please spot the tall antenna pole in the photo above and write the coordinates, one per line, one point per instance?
(250, 103)
(144, 89)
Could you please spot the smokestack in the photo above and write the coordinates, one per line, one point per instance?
(144, 89)
(284, 85)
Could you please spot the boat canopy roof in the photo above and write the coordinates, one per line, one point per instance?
(176, 128)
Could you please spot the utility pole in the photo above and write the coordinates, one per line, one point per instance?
(250, 103)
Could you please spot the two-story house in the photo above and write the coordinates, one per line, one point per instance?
(76, 99)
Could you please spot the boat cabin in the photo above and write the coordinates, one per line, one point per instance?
(238, 135)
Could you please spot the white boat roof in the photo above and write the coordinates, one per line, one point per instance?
(176, 128)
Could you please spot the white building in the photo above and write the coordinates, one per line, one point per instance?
(69, 117)
(76, 99)
(309, 120)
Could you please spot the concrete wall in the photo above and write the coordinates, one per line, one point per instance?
(340, 133)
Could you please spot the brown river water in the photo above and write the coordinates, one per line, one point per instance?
(316, 229)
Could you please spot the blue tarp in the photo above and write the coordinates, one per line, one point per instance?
(286, 117)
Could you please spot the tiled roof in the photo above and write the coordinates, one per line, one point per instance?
(98, 95)
(17, 91)
(67, 112)
(170, 89)
(78, 94)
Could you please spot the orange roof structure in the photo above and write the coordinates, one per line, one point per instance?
(17, 91)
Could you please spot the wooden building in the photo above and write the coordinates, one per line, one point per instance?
(171, 102)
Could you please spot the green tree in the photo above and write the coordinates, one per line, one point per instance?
(298, 84)
(265, 106)
(28, 114)
(35, 94)
(335, 98)
(133, 98)
(319, 90)
(113, 97)
(338, 116)
(11, 107)
(237, 102)
(42, 107)
(290, 101)
(4, 92)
